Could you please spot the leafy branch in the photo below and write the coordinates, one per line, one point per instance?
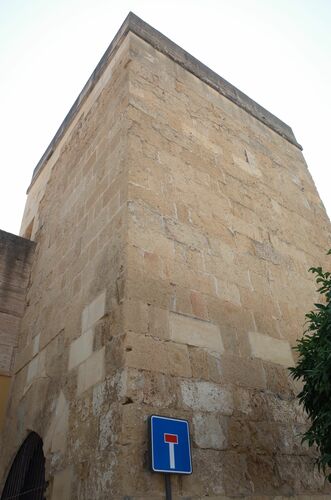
(314, 369)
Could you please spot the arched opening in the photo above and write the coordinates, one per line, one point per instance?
(26, 478)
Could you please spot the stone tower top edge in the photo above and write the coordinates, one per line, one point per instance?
(160, 42)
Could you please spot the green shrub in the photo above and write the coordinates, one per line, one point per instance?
(314, 369)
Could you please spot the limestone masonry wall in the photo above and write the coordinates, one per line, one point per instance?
(224, 221)
(66, 371)
(173, 235)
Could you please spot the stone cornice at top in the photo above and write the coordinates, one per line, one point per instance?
(161, 43)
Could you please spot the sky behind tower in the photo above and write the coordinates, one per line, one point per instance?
(276, 51)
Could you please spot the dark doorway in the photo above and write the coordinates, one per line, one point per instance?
(26, 478)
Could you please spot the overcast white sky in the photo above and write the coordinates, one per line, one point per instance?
(276, 51)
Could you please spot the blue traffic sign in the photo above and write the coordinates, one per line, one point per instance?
(170, 445)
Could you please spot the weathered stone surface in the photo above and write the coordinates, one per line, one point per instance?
(152, 354)
(210, 431)
(206, 396)
(192, 331)
(32, 370)
(299, 475)
(56, 437)
(62, 485)
(242, 371)
(91, 371)
(36, 369)
(81, 348)
(270, 349)
(94, 311)
(279, 381)
(264, 475)
(151, 388)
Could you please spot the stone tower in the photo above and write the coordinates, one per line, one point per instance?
(174, 221)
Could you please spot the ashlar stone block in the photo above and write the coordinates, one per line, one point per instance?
(206, 396)
(148, 353)
(81, 349)
(246, 372)
(209, 431)
(91, 371)
(270, 349)
(195, 332)
(94, 311)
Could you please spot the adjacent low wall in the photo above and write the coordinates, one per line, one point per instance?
(15, 263)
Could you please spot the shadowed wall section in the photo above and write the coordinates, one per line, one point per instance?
(16, 255)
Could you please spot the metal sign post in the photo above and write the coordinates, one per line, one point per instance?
(170, 450)
(167, 478)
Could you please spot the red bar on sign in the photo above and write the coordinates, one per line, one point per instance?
(171, 438)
